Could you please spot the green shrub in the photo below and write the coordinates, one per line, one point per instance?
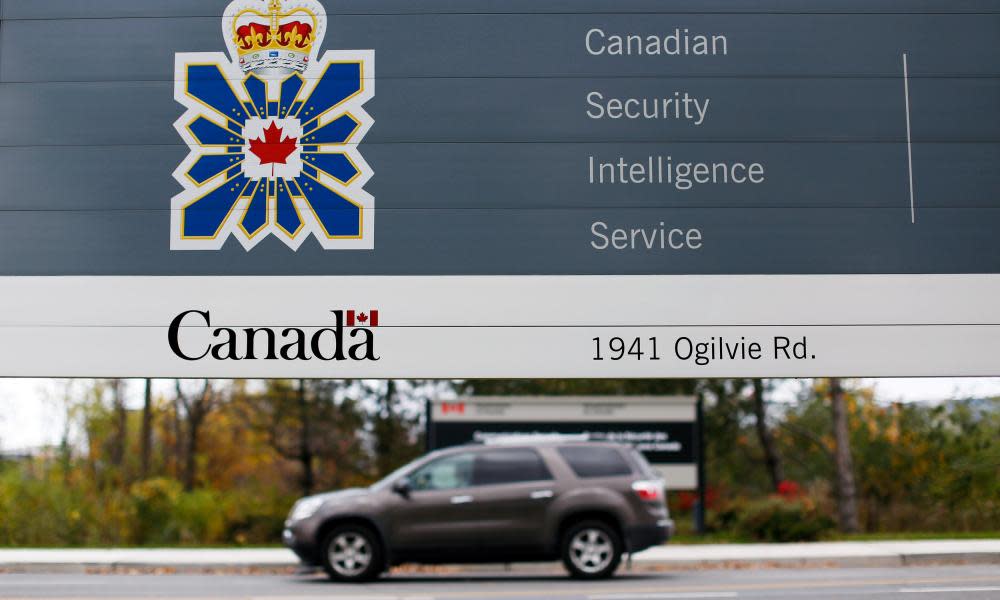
(258, 516)
(201, 517)
(154, 503)
(775, 519)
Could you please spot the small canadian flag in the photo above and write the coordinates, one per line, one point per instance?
(453, 407)
(362, 319)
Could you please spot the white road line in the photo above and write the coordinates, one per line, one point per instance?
(947, 590)
(330, 597)
(31, 584)
(909, 137)
(663, 596)
(335, 596)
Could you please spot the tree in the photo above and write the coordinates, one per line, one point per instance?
(772, 460)
(847, 495)
(305, 455)
(146, 442)
(395, 422)
(119, 437)
(314, 424)
(196, 407)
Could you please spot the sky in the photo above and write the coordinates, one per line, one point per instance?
(31, 413)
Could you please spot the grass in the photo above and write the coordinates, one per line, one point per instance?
(688, 537)
(919, 535)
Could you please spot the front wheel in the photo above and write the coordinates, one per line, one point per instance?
(591, 550)
(352, 553)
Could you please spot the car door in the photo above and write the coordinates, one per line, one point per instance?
(437, 518)
(515, 489)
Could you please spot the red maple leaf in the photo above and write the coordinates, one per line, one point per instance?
(272, 149)
(362, 317)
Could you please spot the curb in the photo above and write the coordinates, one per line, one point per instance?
(664, 558)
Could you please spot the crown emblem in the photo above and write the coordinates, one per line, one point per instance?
(264, 35)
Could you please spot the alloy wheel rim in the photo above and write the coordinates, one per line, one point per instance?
(350, 554)
(591, 550)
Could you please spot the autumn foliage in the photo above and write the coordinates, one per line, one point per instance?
(228, 458)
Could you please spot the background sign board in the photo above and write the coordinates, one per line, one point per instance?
(662, 428)
(545, 188)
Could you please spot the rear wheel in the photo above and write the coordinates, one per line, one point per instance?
(591, 550)
(352, 553)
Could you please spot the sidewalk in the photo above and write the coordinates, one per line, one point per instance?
(832, 554)
(707, 556)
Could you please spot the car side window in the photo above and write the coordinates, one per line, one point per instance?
(595, 461)
(447, 473)
(509, 465)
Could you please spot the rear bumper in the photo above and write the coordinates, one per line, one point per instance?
(640, 537)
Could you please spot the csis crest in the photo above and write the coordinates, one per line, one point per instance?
(273, 131)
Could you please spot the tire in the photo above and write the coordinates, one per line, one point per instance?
(352, 553)
(591, 550)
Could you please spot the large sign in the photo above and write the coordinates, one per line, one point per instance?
(619, 188)
(661, 427)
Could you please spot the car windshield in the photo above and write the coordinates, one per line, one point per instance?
(388, 480)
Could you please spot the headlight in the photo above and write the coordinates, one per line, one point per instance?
(305, 508)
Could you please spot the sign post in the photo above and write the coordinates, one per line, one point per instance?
(700, 507)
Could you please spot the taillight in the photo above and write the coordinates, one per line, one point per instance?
(648, 490)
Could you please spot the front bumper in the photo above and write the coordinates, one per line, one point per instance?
(300, 539)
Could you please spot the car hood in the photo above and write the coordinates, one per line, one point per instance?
(342, 495)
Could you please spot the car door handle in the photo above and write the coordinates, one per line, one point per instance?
(542, 494)
(461, 499)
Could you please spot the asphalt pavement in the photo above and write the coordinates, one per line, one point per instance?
(978, 582)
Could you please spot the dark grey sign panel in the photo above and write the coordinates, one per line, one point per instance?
(545, 176)
(530, 242)
(504, 140)
(68, 9)
(663, 442)
(65, 9)
(526, 45)
(539, 110)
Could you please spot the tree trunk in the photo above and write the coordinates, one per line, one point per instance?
(847, 495)
(117, 450)
(195, 411)
(771, 459)
(178, 462)
(305, 449)
(147, 429)
(385, 430)
(190, 454)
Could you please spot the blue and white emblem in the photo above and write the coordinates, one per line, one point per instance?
(273, 134)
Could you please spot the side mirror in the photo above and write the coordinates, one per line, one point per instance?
(403, 487)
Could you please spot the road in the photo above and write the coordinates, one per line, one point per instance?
(978, 582)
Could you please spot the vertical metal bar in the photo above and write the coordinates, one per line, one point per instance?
(699, 434)
(909, 137)
(429, 441)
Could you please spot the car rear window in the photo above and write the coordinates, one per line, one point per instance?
(595, 461)
(509, 465)
(644, 467)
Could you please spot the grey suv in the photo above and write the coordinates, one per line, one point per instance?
(584, 503)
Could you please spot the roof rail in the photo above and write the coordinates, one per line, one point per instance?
(508, 439)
